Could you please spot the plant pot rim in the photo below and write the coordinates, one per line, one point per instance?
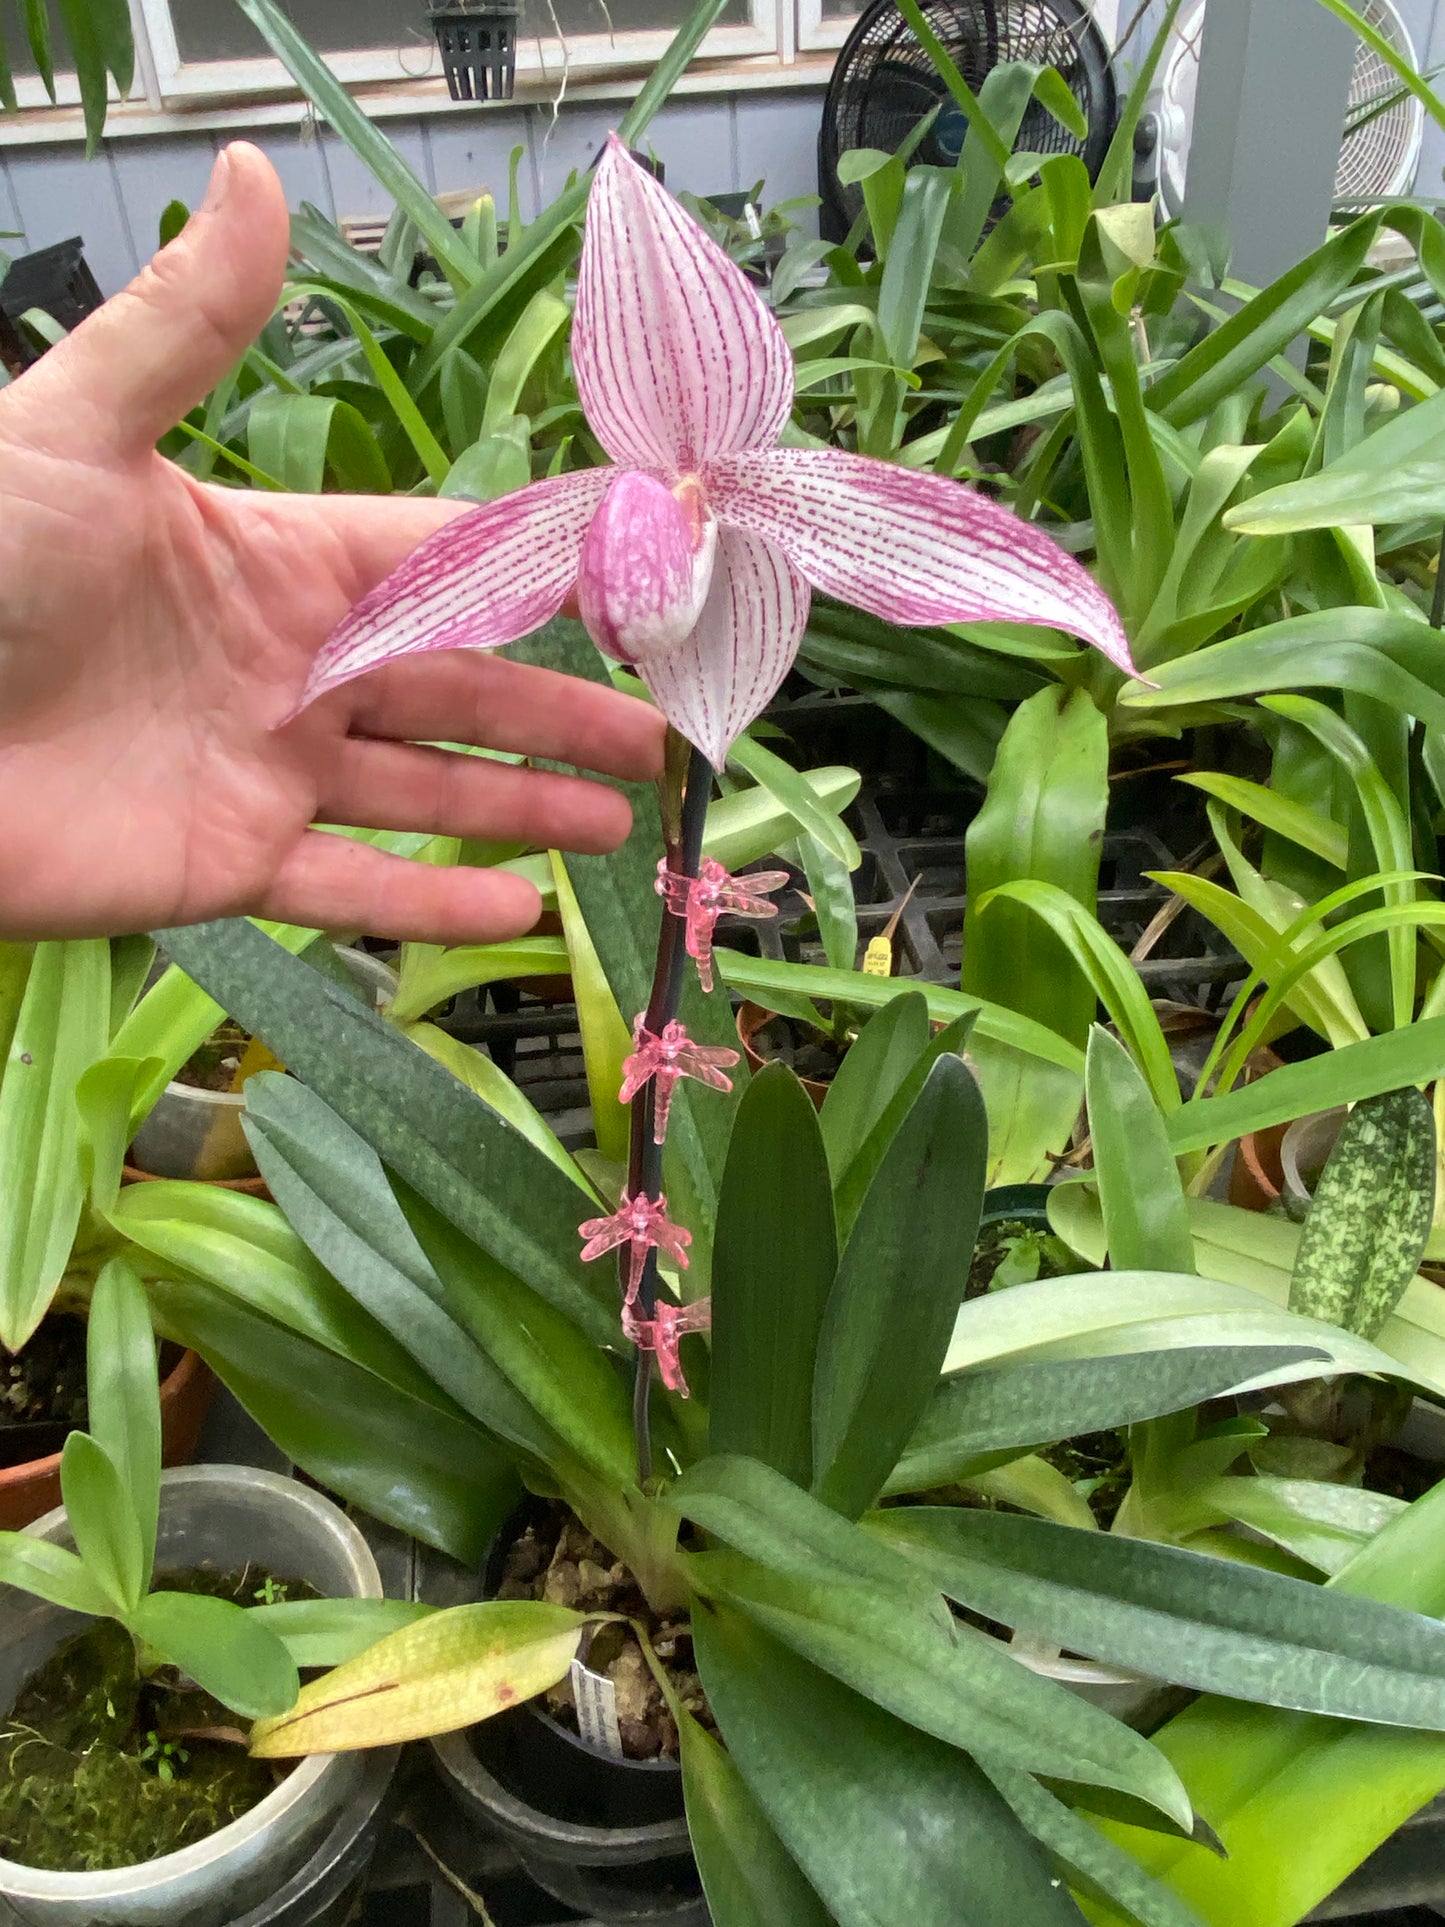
(188, 1367)
(38, 1883)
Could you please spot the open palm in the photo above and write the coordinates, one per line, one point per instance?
(156, 632)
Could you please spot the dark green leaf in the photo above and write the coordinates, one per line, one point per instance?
(978, 1414)
(852, 1188)
(747, 1875)
(774, 1258)
(123, 1394)
(899, 1286)
(1370, 1221)
(1212, 1623)
(871, 1073)
(335, 1193)
(457, 1152)
(226, 1650)
(958, 1685)
(436, 1477)
(888, 1824)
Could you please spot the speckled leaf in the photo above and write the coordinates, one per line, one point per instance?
(1374, 1205)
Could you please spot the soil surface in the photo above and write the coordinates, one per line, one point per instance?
(44, 1382)
(1014, 1251)
(558, 1560)
(101, 1768)
(213, 1067)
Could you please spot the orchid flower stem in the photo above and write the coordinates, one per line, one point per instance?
(644, 1168)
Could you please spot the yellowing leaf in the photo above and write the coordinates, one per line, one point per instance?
(446, 1672)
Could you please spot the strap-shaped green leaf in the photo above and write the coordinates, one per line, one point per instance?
(51, 1573)
(103, 1519)
(1145, 1217)
(899, 1285)
(748, 1876)
(62, 1026)
(1211, 1623)
(975, 1415)
(123, 1393)
(948, 1681)
(1370, 1221)
(225, 1649)
(888, 1824)
(426, 1471)
(457, 1152)
(774, 1259)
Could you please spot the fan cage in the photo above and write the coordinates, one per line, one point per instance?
(885, 83)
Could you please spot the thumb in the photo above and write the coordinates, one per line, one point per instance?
(130, 371)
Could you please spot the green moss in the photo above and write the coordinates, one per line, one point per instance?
(102, 1768)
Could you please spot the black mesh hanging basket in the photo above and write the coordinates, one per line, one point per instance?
(479, 50)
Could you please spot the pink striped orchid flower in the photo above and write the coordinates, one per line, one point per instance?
(693, 558)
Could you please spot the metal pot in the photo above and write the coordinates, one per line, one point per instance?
(222, 1516)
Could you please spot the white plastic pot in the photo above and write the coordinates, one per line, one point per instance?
(224, 1517)
(196, 1133)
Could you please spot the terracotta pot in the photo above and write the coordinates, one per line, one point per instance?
(250, 1187)
(751, 1019)
(28, 1491)
(1258, 1175)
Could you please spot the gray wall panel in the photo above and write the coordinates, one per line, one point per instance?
(694, 139)
(59, 193)
(300, 159)
(152, 173)
(778, 139)
(473, 151)
(353, 187)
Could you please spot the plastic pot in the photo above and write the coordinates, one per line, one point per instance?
(324, 1891)
(221, 1516)
(751, 1019)
(478, 46)
(196, 1133)
(28, 1490)
(605, 1836)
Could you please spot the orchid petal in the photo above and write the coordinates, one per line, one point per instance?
(646, 565)
(485, 579)
(908, 546)
(711, 686)
(677, 358)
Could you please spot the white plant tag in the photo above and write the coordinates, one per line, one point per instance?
(596, 1700)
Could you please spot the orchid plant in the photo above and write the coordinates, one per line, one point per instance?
(692, 558)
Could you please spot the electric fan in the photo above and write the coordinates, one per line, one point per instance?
(1383, 126)
(885, 83)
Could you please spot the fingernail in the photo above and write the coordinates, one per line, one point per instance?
(220, 183)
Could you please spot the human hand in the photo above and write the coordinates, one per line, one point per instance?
(155, 631)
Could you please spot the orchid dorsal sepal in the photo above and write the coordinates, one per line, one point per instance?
(665, 1059)
(696, 555)
(663, 1333)
(643, 1225)
(711, 894)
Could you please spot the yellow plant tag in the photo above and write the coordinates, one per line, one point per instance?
(878, 958)
(255, 1057)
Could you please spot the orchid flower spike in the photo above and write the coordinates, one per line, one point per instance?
(695, 556)
(711, 894)
(663, 1333)
(668, 1058)
(642, 1224)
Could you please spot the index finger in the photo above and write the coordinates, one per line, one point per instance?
(461, 696)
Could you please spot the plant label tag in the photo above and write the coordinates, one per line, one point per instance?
(596, 1700)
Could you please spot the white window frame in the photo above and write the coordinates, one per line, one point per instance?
(180, 81)
(817, 34)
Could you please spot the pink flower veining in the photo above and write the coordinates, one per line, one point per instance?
(643, 1224)
(667, 1059)
(696, 555)
(713, 893)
